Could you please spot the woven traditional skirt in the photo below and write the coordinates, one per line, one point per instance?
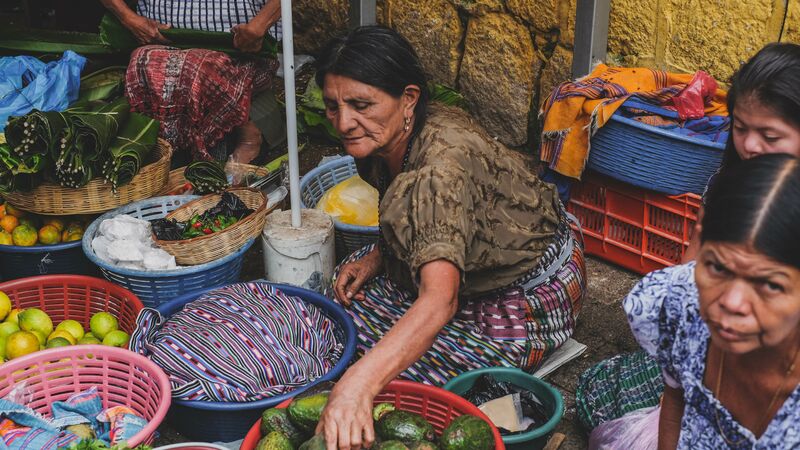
(516, 326)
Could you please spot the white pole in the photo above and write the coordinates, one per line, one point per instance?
(291, 111)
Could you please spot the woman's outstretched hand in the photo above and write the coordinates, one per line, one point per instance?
(346, 421)
(146, 31)
(352, 277)
(248, 37)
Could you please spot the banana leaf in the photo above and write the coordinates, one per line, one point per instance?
(129, 150)
(35, 133)
(88, 135)
(20, 174)
(116, 36)
(51, 41)
(207, 177)
(102, 85)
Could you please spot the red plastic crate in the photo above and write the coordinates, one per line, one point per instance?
(635, 228)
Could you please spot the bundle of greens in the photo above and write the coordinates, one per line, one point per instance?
(88, 134)
(130, 148)
(97, 444)
(72, 146)
(207, 177)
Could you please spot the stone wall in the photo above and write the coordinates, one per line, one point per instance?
(506, 55)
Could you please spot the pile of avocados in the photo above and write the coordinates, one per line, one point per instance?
(292, 429)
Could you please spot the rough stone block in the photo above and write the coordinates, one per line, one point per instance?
(497, 76)
(478, 7)
(566, 18)
(557, 71)
(317, 21)
(434, 29)
(542, 14)
(718, 39)
(632, 27)
(791, 28)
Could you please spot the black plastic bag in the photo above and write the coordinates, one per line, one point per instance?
(230, 205)
(168, 229)
(488, 388)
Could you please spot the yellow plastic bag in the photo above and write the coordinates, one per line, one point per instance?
(353, 201)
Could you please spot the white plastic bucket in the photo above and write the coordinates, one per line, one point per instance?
(299, 256)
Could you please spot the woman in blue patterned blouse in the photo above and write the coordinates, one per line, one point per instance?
(726, 329)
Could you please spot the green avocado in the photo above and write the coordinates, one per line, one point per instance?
(278, 420)
(391, 445)
(305, 412)
(404, 426)
(315, 443)
(423, 445)
(274, 441)
(467, 432)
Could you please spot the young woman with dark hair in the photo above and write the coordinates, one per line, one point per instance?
(476, 266)
(726, 329)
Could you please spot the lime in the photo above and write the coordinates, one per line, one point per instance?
(73, 327)
(13, 316)
(117, 338)
(64, 334)
(40, 336)
(103, 323)
(6, 328)
(5, 305)
(88, 339)
(21, 343)
(34, 319)
(3, 341)
(57, 342)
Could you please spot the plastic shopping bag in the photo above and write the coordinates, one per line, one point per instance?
(637, 429)
(353, 201)
(691, 101)
(27, 83)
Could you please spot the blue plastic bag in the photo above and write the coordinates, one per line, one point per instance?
(27, 83)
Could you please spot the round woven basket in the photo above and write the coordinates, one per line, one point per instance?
(97, 196)
(203, 249)
(177, 180)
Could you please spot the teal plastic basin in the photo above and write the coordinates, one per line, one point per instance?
(550, 397)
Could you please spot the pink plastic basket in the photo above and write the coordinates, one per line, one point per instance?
(123, 378)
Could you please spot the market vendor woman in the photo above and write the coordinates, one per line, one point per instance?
(477, 265)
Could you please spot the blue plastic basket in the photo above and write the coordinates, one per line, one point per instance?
(653, 158)
(156, 287)
(67, 258)
(348, 238)
(230, 421)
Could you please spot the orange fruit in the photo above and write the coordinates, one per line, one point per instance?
(76, 236)
(5, 238)
(8, 223)
(21, 343)
(33, 221)
(58, 223)
(12, 210)
(2, 210)
(49, 235)
(24, 236)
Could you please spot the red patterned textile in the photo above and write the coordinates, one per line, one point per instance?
(198, 95)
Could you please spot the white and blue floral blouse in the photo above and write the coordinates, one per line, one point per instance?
(663, 312)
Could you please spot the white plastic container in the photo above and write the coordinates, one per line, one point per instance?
(299, 256)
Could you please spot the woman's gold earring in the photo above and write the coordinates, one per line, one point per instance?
(408, 124)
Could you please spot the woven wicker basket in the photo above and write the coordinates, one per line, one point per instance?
(203, 249)
(177, 180)
(97, 196)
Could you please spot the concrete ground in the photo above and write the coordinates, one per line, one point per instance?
(602, 327)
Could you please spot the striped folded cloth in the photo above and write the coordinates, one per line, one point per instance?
(240, 343)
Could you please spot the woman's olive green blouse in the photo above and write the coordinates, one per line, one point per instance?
(467, 199)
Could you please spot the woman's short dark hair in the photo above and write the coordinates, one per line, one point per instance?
(380, 57)
(772, 77)
(757, 202)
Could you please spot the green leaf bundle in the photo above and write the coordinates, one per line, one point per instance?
(35, 133)
(129, 150)
(206, 176)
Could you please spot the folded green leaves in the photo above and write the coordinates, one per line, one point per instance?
(35, 133)
(207, 177)
(88, 135)
(20, 174)
(129, 150)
